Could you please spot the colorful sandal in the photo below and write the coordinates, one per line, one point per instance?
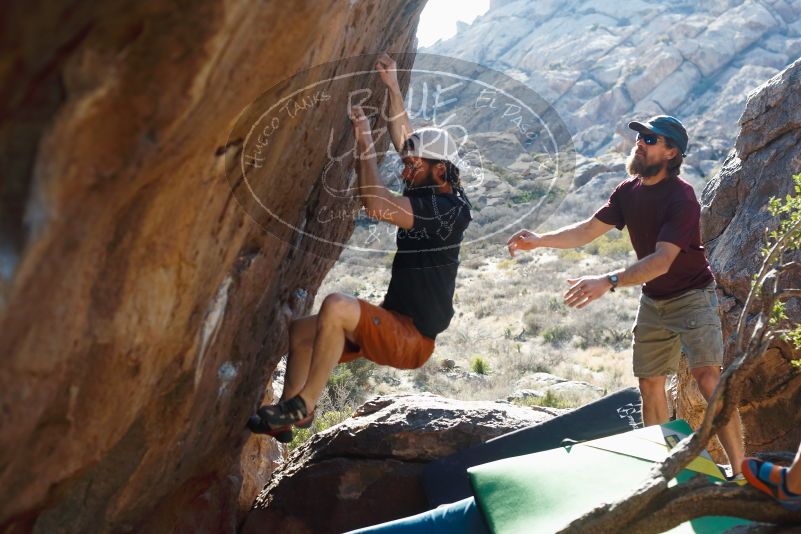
(771, 479)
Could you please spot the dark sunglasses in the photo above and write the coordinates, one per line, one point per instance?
(648, 138)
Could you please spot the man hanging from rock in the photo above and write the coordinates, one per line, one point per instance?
(678, 306)
(431, 217)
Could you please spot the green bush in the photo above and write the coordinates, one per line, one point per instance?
(348, 382)
(483, 310)
(570, 254)
(346, 387)
(556, 335)
(503, 173)
(550, 400)
(480, 366)
(788, 235)
(323, 422)
(615, 245)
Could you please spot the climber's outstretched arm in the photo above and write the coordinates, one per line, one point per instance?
(398, 120)
(378, 201)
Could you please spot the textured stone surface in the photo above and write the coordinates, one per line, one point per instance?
(767, 154)
(367, 469)
(141, 309)
(602, 63)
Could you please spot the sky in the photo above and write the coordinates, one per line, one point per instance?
(438, 19)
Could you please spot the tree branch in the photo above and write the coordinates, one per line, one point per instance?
(700, 497)
(774, 254)
(789, 265)
(789, 293)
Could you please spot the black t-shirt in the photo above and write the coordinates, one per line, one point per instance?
(666, 211)
(425, 265)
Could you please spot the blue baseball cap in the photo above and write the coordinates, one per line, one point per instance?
(666, 126)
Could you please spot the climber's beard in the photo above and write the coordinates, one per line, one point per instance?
(425, 183)
(637, 166)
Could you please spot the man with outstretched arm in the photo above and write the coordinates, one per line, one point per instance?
(431, 216)
(678, 306)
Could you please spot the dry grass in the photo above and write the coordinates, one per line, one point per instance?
(509, 313)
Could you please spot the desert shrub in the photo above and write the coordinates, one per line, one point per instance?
(615, 245)
(557, 334)
(549, 400)
(480, 366)
(322, 422)
(545, 310)
(474, 262)
(506, 263)
(484, 310)
(349, 382)
(347, 387)
(570, 254)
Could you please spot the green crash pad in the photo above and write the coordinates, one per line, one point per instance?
(543, 492)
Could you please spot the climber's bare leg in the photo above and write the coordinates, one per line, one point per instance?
(298, 362)
(336, 321)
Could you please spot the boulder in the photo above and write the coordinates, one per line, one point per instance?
(767, 153)
(367, 470)
(142, 310)
(569, 390)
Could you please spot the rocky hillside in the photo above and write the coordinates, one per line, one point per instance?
(600, 64)
(142, 309)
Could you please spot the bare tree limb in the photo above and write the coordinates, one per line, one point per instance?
(789, 293)
(789, 266)
(774, 254)
(700, 498)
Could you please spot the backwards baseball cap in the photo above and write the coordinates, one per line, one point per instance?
(431, 143)
(666, 126)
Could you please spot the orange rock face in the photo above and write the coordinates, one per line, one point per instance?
(142, 309)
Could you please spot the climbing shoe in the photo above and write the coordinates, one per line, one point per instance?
(771, 479)
(281, 434)
(306, 422)
(287, 412)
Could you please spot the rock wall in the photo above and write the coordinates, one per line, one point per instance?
(368, 469)
(142, 310)
(767, 154)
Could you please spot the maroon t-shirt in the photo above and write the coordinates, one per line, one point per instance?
(666, 211)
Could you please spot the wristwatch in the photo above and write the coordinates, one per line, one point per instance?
(613, 279)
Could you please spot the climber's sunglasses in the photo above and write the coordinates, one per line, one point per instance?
(649, 139)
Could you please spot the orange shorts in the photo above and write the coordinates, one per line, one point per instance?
(387, 338)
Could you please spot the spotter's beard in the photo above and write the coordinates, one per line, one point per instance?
(637, 167)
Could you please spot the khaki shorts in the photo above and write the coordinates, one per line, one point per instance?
(688, 323)
(387, 338)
